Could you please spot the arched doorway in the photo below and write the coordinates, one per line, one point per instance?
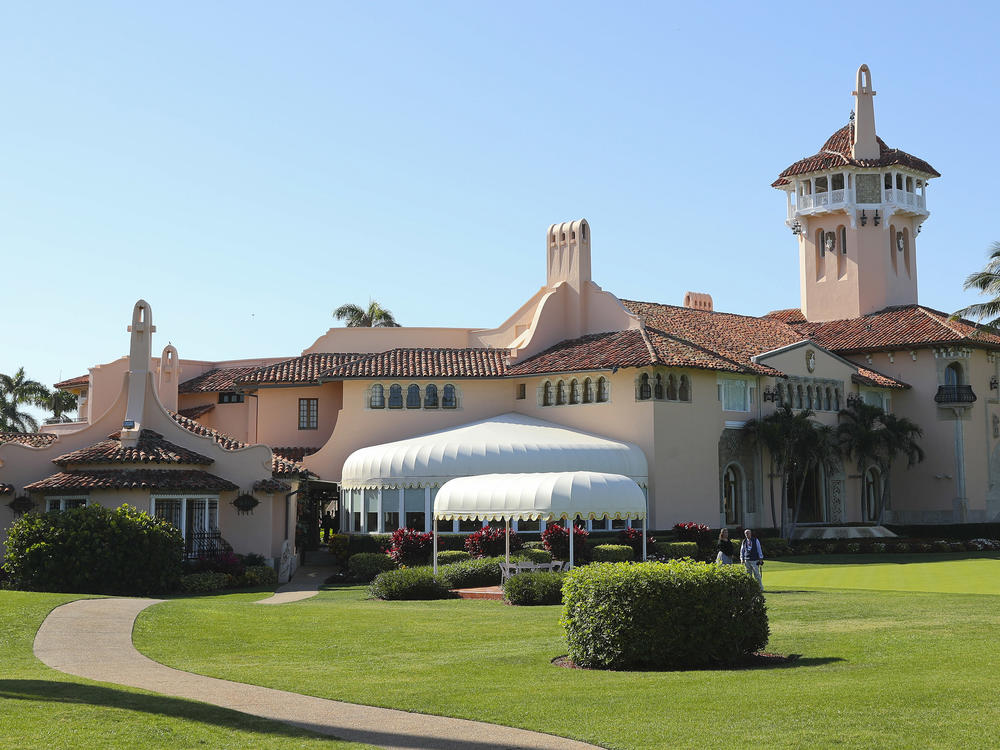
(813, 501)
(732, 494)
(872, 495)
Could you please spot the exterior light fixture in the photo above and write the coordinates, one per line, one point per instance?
(993, 383)
(796, 227)
(854, 398)
(864, 218)
(876, 219)
(21, 505)
(919, 227)
(128, 424)
(770, 394)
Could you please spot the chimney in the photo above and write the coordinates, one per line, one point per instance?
(698, 301)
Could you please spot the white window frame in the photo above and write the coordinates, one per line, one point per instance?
(62, 499)
(748, 394)
(184, 504)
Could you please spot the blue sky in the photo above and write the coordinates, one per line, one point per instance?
(247, 167)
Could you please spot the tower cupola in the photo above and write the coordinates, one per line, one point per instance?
(856, 207)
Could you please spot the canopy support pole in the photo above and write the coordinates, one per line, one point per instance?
(644, 539)
(508, 541)
(435, 545)
(571, 525)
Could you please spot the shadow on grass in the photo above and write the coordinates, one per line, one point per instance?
(896, 558)
(180, 708)
(752, 662)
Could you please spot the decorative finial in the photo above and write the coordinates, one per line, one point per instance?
(851, 118)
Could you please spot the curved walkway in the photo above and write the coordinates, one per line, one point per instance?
(92, 638)
(304, 584)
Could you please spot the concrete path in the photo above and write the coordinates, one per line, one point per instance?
(304, 584)
(92, 638)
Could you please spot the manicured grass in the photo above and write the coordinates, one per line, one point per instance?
(43, 708)
(887, 668)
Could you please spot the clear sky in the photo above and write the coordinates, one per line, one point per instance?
(247, 167)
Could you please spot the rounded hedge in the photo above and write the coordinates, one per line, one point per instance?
(612, 553)
(531, 589)
(472, 573)
(364, 566)
(94, 550)
(677, 614)
(448, 556)
(677, 550)
(532, 555)
(408, 584)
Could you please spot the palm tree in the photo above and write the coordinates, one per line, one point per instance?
(765, 433)
(16, 391)
(375, 316)
(815, 447)
(986, 282)
(899, 437)
(859, 435)
(59, 402)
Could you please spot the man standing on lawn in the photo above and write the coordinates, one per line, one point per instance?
(752, 556)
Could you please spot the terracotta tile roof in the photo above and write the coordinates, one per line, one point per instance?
(836, 152)
(73, 382)
(292, 453)
(424, 363)
(6, 489)
(219, 379)
(867, 376)
(133, 479)
(598, 351)
(279, 466)
(193, 412)
(271, 486)
(32, 439)
(904, 327)
(791, 315)
(151, 449)
(304, 369)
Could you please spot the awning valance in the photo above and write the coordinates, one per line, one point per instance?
(547, 496)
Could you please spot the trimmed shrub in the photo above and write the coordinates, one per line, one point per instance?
(677, 550)
(409, 583)
(472, 573)
(206, 582)
(410, 547)
(452, 556)
(451, 541)
(339, 546)
(533, 555)
(556, 540)
(676, 615)
(258, 575)
(533, 545)
(228, 562)
(633, 538)
(491, 541)
(773, 546)
(531, 589)
(364, 566)
(612, 553)
(94, 550)
(698, 533)
(359, 543)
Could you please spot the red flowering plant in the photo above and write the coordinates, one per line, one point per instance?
(556, 541)
(694, 532)
(633, 538)
(410, 547)
(490, 541)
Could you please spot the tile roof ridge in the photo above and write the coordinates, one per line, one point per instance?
(718, 355)
(707, 312)
(654, 356)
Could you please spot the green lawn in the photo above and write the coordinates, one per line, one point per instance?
(893, 655)
(43, 708)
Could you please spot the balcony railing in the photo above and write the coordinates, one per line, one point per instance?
(207, 544)
(838, 198)
(955, 394)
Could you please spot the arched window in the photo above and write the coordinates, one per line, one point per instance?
(893, 252)
(574, 391)
(684, 393)
(906, 249)
(818, 399)
(413, 396)
(645, 391)
(809, 398)
(732, 494)
(603, 389)
(798, 397)
(588, 391)
(560, 393)
(781, 393)
(836, 399)
(671, 387)
(547, 394)
(842, 239)
(377, 398)
(826, 400)
(658, 391)
(449, 398)
(953, 374)
(431, 397)
(395, 396)
(873, 494)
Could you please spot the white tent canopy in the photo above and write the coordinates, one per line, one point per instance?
(506, 444)
(545, 496)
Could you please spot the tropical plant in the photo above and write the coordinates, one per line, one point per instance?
(375, 316)
(59, 402)
(16, 391)
(985, 282)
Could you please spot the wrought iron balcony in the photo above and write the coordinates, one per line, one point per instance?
(955, 394)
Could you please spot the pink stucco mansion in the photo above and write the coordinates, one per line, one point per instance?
(574, 379)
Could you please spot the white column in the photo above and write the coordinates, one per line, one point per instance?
(507, 541)
(435, 553)
(380, 523)
(427, 509)
(644, 539)
(571, 528)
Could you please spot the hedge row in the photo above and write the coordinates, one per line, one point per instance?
(531, 589)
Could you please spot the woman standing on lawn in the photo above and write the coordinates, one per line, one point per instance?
(725, 547)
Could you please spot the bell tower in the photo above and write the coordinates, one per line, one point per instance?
(856, 208)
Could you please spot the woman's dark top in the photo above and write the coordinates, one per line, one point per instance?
(726, 547)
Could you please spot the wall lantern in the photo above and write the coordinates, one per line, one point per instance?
(876, 219)
(771, 394)
(864, 218)
(245, 504)
(796, 227)
(854, 399)
(993, 383)
(21, 505)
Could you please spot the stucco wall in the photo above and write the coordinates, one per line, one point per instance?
(277, 419)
